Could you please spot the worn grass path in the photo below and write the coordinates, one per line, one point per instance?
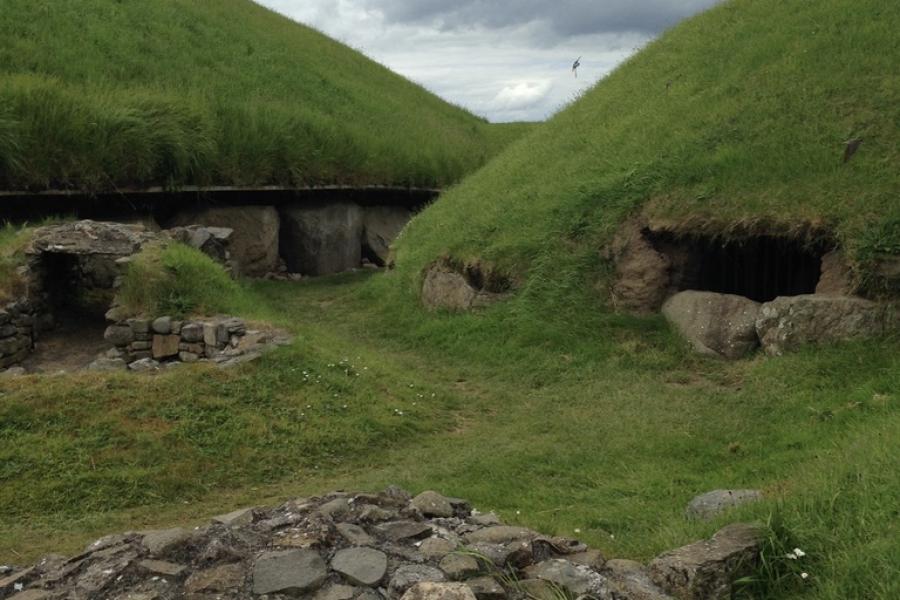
(610, 433)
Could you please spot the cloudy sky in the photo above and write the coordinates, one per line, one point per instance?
(506, 61)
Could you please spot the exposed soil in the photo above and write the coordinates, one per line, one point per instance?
(72, 345)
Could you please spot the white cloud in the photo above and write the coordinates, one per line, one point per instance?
(519, 71)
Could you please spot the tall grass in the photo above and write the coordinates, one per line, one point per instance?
(97, 94)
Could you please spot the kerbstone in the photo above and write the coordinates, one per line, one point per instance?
(288, 572)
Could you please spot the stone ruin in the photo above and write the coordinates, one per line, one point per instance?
(384, 546)
(728, 298)
(71, 275)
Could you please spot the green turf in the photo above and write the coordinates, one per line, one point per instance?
(607, 425)
(99, 94)
(734, 121)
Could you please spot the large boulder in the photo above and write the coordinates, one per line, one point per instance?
(381, 226)
(321, 239)
(707, 570)
(445, 288)
(788, 323)
(253, 245)
(642, 276)
(720, 325)
(711, 504)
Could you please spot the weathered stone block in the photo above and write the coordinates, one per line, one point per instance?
(720, 325)
(381, 226)
(119, 335)
(192, 333)
(165, 346)
(162, 325)
(320, 239)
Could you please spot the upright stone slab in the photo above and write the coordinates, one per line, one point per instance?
(381, 226)
(254, 242)
(321, 238)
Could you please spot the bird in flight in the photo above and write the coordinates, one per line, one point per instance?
(575, 66)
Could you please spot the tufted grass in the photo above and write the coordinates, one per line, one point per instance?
(100, 94)
(603, 423)
(732, 122)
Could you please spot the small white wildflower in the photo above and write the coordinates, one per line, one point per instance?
(108, 572)
(577, 530)
(800, 553)
(791, 556)
(518, 512)
(18, 587)
(612, 537)
(804, 575)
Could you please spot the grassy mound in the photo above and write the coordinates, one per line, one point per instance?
(98, 93)
(733, 122)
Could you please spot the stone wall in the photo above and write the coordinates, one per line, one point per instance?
(149, 344)
(17, 333)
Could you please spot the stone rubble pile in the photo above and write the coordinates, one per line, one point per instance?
(144, 344)
(384, 546)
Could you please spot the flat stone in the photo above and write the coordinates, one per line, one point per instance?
(500, 534)
(486, 588)
(706, 570)
(432, 504)
(630, 579)
(237, 518)
(336, 591)
(31, 595)
(161, 567)
(459, 566)
(575, 579)
(160, 543)
(144, 365)
(119, 335)
(139, 325)
(439, 591)
(538, 589)
(589, 558)
(192, 333)
(398, 531)
(216, 580)
(435, 547)
(188, 357)
(407, 576)
(355, 534)
(336, 508)
(708, 505)
(722, 325)
(362, 566)
(485, 520)
(288, 572)
(165, 346)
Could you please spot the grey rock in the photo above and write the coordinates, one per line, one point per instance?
(485, 519)
(407, 576)
(722, 325)
(711, 504)
(355, 534)
(439, 591)
(161, 567)
(459, 566)
(108, 365)
(432, 504)
(192, 333)
(162, 542)
(446, 289)
(486, 588)
(253, 243)
(435, 547)
(14, 372)
(381, 226)
(216, 580)
(119, 335)
(336, 508)
(499, 534)
(162, 325)
(144, 365)
(320, 239)
(836, 277)
(575, 579)
(336, 591)
(788, 323)
(288, 572)
(706, 570)
(362, 566)
(237, 518)
(139, 326)
(397, 531)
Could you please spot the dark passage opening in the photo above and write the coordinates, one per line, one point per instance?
(760, 268)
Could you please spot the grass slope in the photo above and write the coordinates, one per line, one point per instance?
(607, 425)
(733, 121)
(102, 93)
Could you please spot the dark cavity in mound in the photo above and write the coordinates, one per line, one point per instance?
(761, 268)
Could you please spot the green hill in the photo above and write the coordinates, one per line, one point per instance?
(735, 121)
(96, 94)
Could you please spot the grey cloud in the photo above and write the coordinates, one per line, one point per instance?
(564, 17)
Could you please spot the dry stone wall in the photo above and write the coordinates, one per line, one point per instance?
(384, 546)
(17, 333)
